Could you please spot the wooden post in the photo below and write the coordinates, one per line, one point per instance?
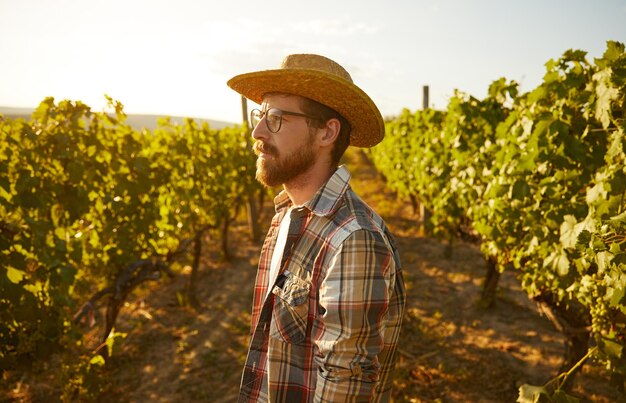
(425, 103)
(253, 213)
(244, 112)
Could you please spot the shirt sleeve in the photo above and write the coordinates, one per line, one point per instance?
(354, 301)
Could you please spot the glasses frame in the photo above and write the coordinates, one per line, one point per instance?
(262, 114)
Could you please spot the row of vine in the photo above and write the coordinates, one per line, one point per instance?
(540, 180)
(89, 203)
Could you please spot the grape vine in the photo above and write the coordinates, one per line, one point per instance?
(540, 177)
(85, 200)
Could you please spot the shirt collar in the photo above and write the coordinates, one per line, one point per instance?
(326, 200)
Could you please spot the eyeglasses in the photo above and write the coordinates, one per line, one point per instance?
(273, 118)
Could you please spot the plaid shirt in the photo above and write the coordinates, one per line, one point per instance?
(328, 330)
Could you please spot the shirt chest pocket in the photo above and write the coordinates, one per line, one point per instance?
(291, 309)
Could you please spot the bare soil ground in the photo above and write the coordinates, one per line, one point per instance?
(451, 350)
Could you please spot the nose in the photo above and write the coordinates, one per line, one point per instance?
(260, 131)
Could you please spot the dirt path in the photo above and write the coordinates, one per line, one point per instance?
(451, 350)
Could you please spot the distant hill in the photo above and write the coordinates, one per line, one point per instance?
(137, 121)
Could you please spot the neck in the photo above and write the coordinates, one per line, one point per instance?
(301, 189)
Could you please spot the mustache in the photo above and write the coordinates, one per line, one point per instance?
(260, 147)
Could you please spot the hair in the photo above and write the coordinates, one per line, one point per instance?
(314, 108)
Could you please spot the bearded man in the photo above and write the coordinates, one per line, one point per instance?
(329, 294)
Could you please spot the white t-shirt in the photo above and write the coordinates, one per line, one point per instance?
(277, 256)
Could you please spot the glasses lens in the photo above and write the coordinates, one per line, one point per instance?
(255, 117)
(273, 117)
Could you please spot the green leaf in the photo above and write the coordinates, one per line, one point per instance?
(568, 232)
(619, 218)
(615, 295)
(15, 275)
(97, 360)
(531, 394)
(596, 192)
(520, 190)
(612, 348)
(605, 97)
(527, 162)
(619, 258)
(603, 259)
(573, 232)
(613, 50)
(584, 238)
(558, 262)
(42, 111)
(574, 55)
(91, 151)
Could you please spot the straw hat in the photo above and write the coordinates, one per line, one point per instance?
(322, 80)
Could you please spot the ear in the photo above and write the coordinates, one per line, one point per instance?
(330, 132)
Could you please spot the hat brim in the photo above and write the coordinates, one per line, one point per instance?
(367, 125)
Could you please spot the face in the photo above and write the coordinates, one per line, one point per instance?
(287, 154)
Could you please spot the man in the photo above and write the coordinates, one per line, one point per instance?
(329, 294)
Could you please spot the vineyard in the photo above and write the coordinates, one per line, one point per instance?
(531, 186)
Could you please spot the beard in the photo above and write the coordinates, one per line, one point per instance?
(281, 169)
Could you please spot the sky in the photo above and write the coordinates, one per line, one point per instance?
(174, 57)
